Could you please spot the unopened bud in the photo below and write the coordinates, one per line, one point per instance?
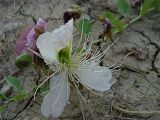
(23, 60)
(73, 12)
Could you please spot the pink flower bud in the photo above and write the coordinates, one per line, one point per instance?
(31, 40)
(20, 46)
(106, 25)
(41, 24)
(29, 37)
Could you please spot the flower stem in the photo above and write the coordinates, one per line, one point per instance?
(132, 21)
(127, 25)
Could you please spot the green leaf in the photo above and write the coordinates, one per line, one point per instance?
(123, 7)
(84, 26)
(146, 6)
(2, 108)
(14, 82)
(2, 96)
(19, 96)
(118, 25)
(156, 4)
(44, 89)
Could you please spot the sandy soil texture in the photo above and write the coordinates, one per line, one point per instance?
(135, 94)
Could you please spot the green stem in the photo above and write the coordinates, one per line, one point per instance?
(127, 25)
(132, 21)
(136, 19)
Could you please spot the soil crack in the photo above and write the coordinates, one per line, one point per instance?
(27, 104)
(153, 61)
(152, 43)
(147, 37)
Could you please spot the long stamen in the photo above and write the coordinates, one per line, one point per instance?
(101, 55)
(85, 45)
(116, 67)
(86, 86)
(44, 74)
(80, 39)
(36, 53)
(52, 88)
(81, 105)
(79, 93)
(116, 70)
(54, 67)
(71, 77)
(99, 50)
(43, 83)
(113, 65)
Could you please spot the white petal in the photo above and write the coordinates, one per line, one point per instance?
(55, 101)
(95, 77)
(49, 44)
(47, 47)
(45, 106)
(65, 33)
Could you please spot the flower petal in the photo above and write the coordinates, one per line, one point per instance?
(31, 40)
(49, 44)
(20, 46)
(29, 37)
(95, 77)
(47, 47)
(41, 24)
(55, 101)
(65, 33)
(45, 106)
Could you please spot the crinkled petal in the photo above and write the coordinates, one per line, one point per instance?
(31, 40)
(45, 106)
(95, 77)
(67, 31)
(20, 46)
(49, 44)
(29, 37)
(55, 101)
(41, 24)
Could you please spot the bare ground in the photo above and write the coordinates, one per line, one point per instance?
(135, 94)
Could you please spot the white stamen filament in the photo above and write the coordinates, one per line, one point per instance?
(80, 60)
(80, 39)
(41, 85)
(86, 86)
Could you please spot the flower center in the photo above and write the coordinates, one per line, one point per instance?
(64, 55)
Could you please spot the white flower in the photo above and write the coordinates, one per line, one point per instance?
(50, 44)
(56, 48)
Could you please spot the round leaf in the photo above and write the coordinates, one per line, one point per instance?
(123, 7)
(84, 26)
(14, 82)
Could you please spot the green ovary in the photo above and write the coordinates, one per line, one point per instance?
(64, 55)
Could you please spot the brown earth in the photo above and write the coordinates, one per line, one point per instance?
(135, 94)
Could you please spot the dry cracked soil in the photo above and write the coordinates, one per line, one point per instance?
(135, 93)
